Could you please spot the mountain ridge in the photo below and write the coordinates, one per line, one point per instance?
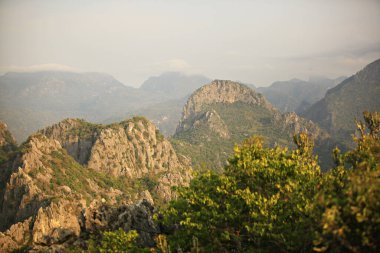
(347, 101)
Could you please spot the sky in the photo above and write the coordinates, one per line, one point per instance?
(256, 42)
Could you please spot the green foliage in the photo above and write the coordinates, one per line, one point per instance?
(86, 129)
(264, 200)
(120, 241)
(350, 199)
(117, 241)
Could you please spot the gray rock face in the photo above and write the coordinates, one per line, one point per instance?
(56, 223)
(222, 91)
(59, 225)
(75, 135)
(133, 217)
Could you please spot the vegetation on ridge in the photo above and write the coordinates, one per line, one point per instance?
(275, 200)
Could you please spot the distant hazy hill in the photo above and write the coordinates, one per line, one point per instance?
(174, 85)
(223, 113)
(341, 105)
(297, 95)
(30, 101)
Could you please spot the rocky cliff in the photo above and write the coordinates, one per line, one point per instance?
(61, 171)
(222, 91)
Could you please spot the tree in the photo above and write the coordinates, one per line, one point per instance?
(262, 202)
(349, 201)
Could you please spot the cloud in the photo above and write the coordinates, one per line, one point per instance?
(36, 68)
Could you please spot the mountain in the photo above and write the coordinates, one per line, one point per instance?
(174, 85)
(297, 95)
(76, 178)
(223, 113)
(347, 101)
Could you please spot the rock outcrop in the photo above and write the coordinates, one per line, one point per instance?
(63, 224)
(6, 138)
(60, 170)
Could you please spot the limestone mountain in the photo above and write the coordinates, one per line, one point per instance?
(347, 101)
(223, 113)
(65, 174)
(297, 95)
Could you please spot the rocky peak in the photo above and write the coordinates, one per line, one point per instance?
(75, 135)
(222, 91)
(6, 137)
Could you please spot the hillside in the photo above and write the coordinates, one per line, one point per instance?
(297, 95)
(74, 168)
(223, 113)
(347, 101)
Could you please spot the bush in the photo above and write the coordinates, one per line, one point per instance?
(264, 200)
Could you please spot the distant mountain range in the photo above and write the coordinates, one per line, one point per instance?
(297, 95)
(30, 101)
(174, 85)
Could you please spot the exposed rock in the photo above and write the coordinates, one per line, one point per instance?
(16, 236)
(295, 125)
(223, 113)
(56, 223)
(138, 217)
(51, 190)
(6, 137)
(75, 135)
(132, 149)
(222, 91)
(210, 119)
(22, 197)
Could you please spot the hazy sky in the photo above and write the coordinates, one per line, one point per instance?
(251, 41)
